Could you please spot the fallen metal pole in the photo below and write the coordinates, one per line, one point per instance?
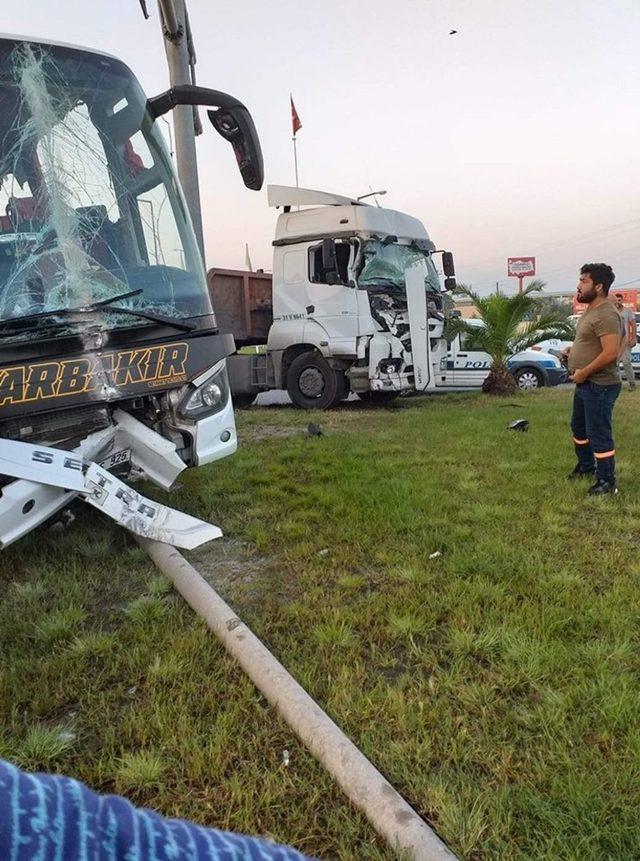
(387, 811)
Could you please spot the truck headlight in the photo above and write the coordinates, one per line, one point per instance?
(207, 398)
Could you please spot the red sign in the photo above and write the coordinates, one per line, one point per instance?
(521, 267)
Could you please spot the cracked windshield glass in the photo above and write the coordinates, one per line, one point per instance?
(89, 207)
(385, 265)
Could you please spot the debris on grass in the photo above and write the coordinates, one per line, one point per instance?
(519, 425)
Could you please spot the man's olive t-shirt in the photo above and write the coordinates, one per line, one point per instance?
(592, 325)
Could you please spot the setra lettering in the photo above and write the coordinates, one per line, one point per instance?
(42, 457)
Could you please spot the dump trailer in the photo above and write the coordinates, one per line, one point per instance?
(112, 364)
(355, 304)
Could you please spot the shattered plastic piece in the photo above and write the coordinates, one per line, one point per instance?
(143, 516)
(435, 555)
(519, 425)
(151, 453)
(70, 472)
(323, 552)
(286, 759)
(67, 735)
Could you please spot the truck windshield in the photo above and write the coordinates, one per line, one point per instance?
(89, 205)
(384, 266)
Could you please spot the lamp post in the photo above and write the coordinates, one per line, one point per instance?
(181, 60)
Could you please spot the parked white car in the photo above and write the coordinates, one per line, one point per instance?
(552, 345)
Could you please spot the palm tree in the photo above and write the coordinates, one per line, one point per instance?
(511, 324)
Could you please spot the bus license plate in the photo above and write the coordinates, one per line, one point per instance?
(116, 459)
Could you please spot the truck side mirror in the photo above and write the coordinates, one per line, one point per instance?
(450, 284)
(447, 265)
(329, 262)
(231, 120)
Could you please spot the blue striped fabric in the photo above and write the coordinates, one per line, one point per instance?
(44, 817)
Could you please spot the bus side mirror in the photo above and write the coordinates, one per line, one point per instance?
(231, 120)
(447, 264)
(236, 126)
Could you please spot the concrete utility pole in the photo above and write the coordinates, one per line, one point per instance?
(181, 61)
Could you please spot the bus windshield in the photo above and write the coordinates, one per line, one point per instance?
(89, 205)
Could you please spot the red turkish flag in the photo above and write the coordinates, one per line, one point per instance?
(295, 119)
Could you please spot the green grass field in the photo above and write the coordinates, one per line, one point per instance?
(497, 686)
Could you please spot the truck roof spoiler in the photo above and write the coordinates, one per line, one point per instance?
(285, 195)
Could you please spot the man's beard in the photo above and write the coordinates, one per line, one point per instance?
(588, 298)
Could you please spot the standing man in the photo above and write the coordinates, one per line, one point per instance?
(629, 339)
(593, 367)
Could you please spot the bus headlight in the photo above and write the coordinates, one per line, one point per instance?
(207, 398)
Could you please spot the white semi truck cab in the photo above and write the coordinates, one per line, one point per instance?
(357, 304)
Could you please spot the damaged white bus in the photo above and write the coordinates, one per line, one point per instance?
(111, 364)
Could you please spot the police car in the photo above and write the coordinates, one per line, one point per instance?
(468, 367)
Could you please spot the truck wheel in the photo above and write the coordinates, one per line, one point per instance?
(313, 384)
(377, 399)
(529, 378)
(241, 402)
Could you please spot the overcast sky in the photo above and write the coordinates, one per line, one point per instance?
(518, 135)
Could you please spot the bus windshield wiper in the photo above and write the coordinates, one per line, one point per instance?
(102, 305)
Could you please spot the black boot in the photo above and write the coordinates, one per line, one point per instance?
(603, 486)
(579, 472)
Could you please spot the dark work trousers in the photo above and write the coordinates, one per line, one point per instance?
(591, 426)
